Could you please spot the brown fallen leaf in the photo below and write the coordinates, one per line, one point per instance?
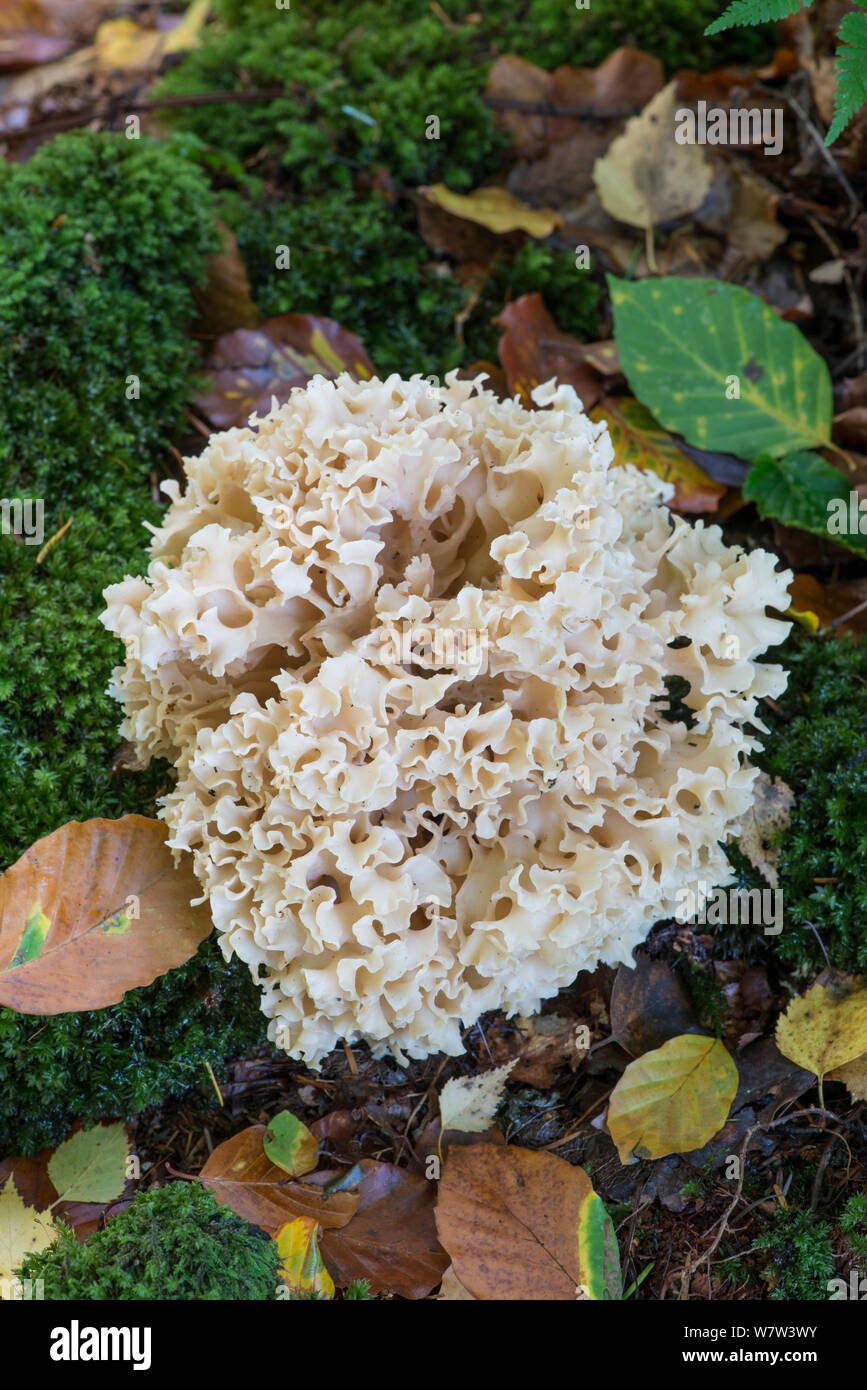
(533, 349)
(451, 1288)
(640, 440)
(525, 1226)
(768, 815)
(547, 1043)
(252, 365)
(649, 1005)
(828, 603)
(225, 301)
(626, 80)
(391, 1239)
(240, 1175)
(93, 910)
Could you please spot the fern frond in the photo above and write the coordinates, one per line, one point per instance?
(851, 72)
(755, 12)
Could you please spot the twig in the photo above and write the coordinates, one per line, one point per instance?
(549, 108)
(819, 140)
(859, 608)
(854, 303)
(118, 104)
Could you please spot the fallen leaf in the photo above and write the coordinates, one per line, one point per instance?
(253, 365)
(627, 79)
(30, 1176)
(301, 1266)
(672, 1099)
(638, 439)
(451, 1288)
(647, 177)
(391, 1240)
(289, 1143)
(768, 815)
(548, 1043)
(826, 1027)
(495, 208)
(23, 1230)
(533, 349)
(240, 1174)
(853, 1075)
(225, 301)
(93, 910)
(91, 1165)
(521, 1225)
(649, 1006)
(123, 44)
(469, 1103)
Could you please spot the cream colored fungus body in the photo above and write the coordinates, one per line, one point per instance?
(393, 840)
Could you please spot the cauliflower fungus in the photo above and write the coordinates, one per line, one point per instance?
(408, 651)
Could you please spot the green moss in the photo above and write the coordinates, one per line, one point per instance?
(114, 1062)
(818, 746)
(366, 77)
(172, 1242)
(362, 262)
(801, 1262)
(101, 241)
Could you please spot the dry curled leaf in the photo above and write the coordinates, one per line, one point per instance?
(302, 1270)
(768, 815)
(391, 1240)
(93, 910)
(251, 367)
(495, 208)
(533, 349)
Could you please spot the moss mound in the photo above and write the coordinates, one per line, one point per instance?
(173, 1242)
(818, 746)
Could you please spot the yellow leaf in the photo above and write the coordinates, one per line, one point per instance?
(494, 208)
(854, 1075)
(826, 1027)
(122, 43)
(673, 1099)
(23, 1229)
(468, 1103)
(301, 1267)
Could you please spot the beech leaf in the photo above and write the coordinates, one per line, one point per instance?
(673, 1099)
(522, 1225)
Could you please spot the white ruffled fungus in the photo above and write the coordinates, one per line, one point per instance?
(408, 650)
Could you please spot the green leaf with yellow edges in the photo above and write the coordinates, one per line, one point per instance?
(302, 1270)
(714, 363)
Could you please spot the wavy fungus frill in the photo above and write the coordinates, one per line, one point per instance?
(408, 650)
